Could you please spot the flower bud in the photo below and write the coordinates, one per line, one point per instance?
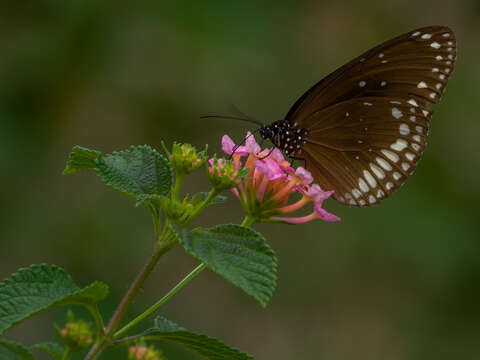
(185, 159)
(223, 175)
(142, 352)
(76, 334)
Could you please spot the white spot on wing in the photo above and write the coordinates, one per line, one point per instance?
(426, 36)
(362, 83)
(416, 147)
(435, 45)
(390, 155)
(410, 156)
(389, 185)
(397, 114)
(439, 57)
(396, 175)
(370, 179)
(412, 102)
(367, 104)
(356, 193)
(422, 85)
(371, 199)
(399, 145)
(380, 194)
(446, 35)
(435, 70)
(383, 163)
(416, 138)
(404, 129)
(405, 166)
(419, 129)
(413, 118)
(363, 185)
(362, 202)
(377, 171)
(416, 33)
(383, 83)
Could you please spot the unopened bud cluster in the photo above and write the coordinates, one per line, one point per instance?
(142, 352)
(185, 159)
(77, 334)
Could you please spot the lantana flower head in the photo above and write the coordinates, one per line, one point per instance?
(271, 182)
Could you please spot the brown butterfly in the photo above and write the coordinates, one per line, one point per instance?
(361, 130)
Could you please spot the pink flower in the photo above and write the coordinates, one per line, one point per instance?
(271, 182)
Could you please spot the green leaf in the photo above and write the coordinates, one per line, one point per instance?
(10, 350)
(53, 349)
(239, 254)
(82, 159)
(206, 347)
(201, 196)
(39, 287)
(140, 171)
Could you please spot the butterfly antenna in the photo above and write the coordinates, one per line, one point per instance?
(233, 118)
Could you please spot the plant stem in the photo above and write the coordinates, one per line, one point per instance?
(160, 302)
(248, 221)
(179, 178)
(66, 355)
(165, 243)
(203, 204)
(98, 320)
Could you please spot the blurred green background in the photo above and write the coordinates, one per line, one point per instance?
(396, 281)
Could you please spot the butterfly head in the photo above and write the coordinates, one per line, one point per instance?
(286, 136)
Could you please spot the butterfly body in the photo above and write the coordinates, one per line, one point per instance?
(361, 130)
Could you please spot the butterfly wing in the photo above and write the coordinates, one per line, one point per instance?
(367, 121)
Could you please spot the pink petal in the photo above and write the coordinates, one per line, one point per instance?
(251, 144)
(324, 214)
(304, 175)
(228, 145)
(317, 194)
(270, 168)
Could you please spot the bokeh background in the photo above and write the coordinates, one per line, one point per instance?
(396, 281)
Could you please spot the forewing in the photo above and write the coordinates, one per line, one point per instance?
(416, 64)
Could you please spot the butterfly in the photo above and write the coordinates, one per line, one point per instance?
(361, 130)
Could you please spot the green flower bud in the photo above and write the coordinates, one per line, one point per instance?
(185, 159)
(223, 175)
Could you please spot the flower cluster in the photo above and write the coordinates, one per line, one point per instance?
(77, 334)
(142, 352)
(271, 181)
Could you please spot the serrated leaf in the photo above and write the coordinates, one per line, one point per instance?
(201, 196)
(10, 350)
(82, 159)
(39, 287)
(140, 171)
(239, 254)
(205, 346)
(53, 349)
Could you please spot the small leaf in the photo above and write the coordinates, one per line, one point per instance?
(201, 196)
(140, 171)
(39, 287)
(53, 349)
(207, 347)
(239, 254)
(10, 350)
(82, 159)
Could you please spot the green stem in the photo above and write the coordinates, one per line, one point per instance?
(160, 302)
(178, 184)
(164, 244)
(98, 320)
(202, 205)
(248, 221)
(66, 355)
